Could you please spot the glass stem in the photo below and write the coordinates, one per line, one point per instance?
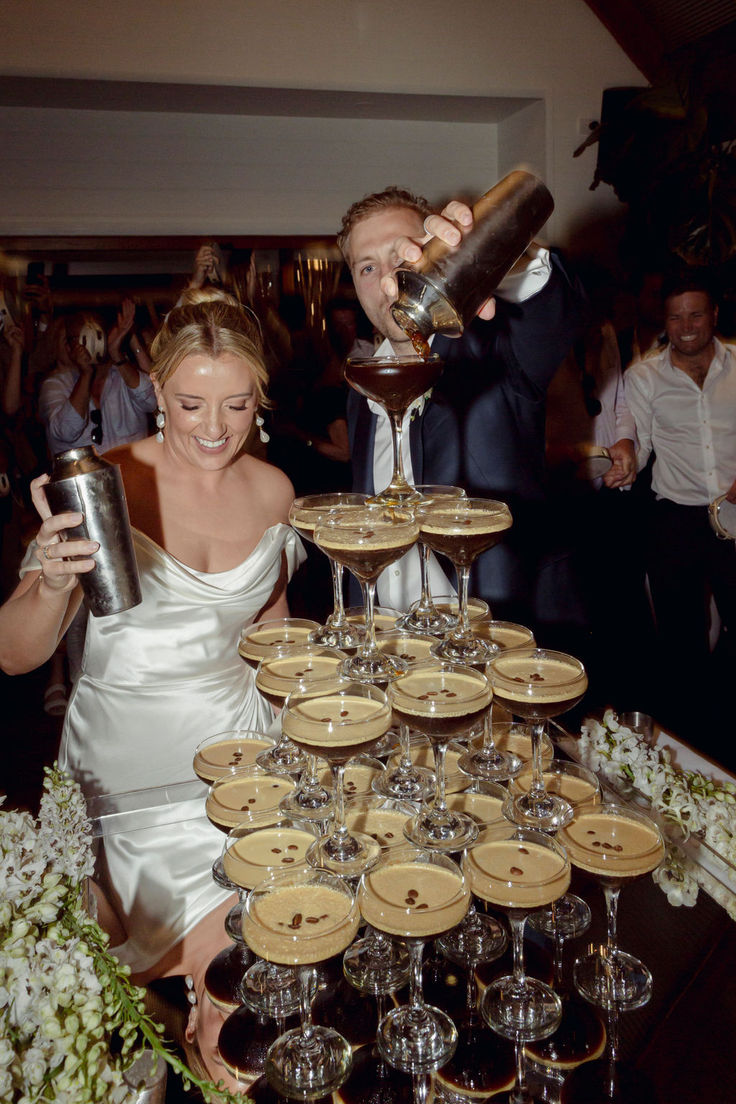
(305, 1002)
(337, 618)
(339, 828)
(611, 893)
(440, 804)
(416, 993)
(536, 790)
(369, 597)
(489, 746)
(425, 600)
(517, 922)
(463, 579)
(612, 1034)
(520, 1087)
(310, 779)
(405, 763)
(398, 478)
(559, 941)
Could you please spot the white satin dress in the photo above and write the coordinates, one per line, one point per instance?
(156, 680)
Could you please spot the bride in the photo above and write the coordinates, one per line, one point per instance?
(214, 552)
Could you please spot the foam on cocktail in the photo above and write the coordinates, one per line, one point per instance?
(385, 826)
(220, 757)
(279, 675)
(299, 924)
(448, 520)
(545, 680)
(613, 845)
(234, 800)
(434, 692)
(516, 873)
(413, 899)
(250, 858)
(578, 791)
(327, 723)
(484, 808)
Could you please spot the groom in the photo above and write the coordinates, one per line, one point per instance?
(484, 425)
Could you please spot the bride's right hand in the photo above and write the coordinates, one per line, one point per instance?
(59, 568)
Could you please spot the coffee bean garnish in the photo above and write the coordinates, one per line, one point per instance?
(590, 832)
(523, 851)
(412, 892)
(275, 850)
(292, 847)
(296, 920)
(617, 847)
(299, 674)
(313, 919)
(408, 900)
(596, 843)
(344, 713)
(516, 870)
(405, 655)
(516, 678)
(536, 677)
(389, 835)
(423, 905)
(288, 859)
(251, 801)
(325, 720)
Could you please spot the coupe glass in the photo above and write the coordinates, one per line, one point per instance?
(293, 668)
(367, 541)
(415, 895)
(462, 529)
(267, 843)
(265, 638)
(298, 919)
(423, 616)
(569, 917)
(616, 844)
(442, 700)
(304, 514)
(238, 796)
(376, 963)
(394, 383)
(536, 683)
(518, 870)
(337, 721)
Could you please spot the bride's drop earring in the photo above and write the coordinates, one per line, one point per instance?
(160, 423)
(261, 431)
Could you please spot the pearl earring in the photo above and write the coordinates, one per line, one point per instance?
(160, 423)
(261, 431)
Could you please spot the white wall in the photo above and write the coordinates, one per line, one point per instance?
(187, 173)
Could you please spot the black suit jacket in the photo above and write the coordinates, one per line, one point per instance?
(484, 429)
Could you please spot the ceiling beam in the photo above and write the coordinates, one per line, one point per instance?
(639, 40)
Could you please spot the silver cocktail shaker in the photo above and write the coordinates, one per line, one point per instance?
(82, 481)
(442, 292)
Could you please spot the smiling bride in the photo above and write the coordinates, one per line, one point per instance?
(214, 552)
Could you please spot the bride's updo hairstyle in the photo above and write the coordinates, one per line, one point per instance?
(209, 322)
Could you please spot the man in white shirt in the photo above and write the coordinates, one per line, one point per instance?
(484, 425)
(684, 404)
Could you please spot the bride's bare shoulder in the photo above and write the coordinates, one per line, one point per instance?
(269, 484)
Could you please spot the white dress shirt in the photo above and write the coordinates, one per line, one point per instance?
(691, 431)
(400, 584)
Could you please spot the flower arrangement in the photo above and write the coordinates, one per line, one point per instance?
(64, 998)
(689, 801)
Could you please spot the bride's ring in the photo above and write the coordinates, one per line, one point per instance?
(426, 231)
(46, 552)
